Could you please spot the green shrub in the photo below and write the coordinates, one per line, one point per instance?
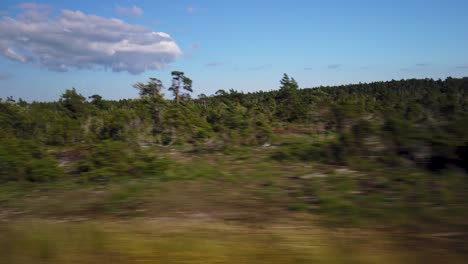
(315, 151)
(111, 159)
(24, 160)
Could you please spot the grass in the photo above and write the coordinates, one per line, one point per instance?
(240, 207)
(257, 186)
(168, 240)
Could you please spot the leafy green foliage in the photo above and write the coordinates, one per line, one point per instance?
(398, 123)
(180, 82)
(152, 89)
(73, 103)
(111, 159)
(23, 160)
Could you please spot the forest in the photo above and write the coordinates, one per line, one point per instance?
(378, 155)
(408, 123)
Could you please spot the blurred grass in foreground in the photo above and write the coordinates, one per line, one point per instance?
(198, 240)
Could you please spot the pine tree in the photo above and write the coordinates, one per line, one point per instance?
(180, 81)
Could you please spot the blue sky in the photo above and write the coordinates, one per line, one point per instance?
(243, 45)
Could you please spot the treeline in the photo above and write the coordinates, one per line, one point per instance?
(396, 123)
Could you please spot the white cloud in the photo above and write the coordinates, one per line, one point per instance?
(133, 11)
(78, 40)
(9, 53)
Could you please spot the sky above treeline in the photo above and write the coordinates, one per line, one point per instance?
(103, 47)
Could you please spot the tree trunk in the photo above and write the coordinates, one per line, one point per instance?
(177, 91)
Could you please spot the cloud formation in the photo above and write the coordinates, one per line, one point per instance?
(133, 11)
(78, 40)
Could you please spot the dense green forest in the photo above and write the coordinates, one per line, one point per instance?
(407, 123)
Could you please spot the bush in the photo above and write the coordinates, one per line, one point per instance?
(23, 160)
(111, 159)
(316, 151)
